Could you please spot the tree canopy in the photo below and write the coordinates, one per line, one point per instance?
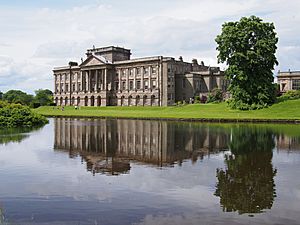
(17, 96)
(43, 97)
(248, 47)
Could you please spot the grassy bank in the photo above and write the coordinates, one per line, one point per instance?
(288, 110)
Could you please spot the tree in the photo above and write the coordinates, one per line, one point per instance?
(1, 95)
(43, 97)
(17, 96)
(248, 47)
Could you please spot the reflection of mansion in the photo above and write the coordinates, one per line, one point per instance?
(107, 146)
(108, 76)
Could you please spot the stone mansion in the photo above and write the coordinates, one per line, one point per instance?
(109, 77)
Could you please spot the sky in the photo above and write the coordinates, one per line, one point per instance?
(37, 35)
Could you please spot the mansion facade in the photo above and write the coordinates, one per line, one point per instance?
(109, 77)
(289, 80)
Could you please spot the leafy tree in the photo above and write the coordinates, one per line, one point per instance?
(43, 97)
(17, 96)
(1, 95)
(248, 47)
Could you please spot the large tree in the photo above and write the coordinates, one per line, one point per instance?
(43, 97)
(248, 47)
(17, 96)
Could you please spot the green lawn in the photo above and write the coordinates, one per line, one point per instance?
(288, 110)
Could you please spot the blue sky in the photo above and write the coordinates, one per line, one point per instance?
(39, 35)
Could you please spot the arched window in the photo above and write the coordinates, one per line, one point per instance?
(66, 100)
(129, 100)
(145, 100)
(98, 101)
(152, 100)
(137, 100)
(73, 101)
(86, 101)
(78, 101)
(122, 100)
(92, 101)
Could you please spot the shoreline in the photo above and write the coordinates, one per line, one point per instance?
(203, 120)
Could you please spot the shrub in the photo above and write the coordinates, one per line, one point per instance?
(289, 95)
(197, 99)
(16, 115)
(216, 95)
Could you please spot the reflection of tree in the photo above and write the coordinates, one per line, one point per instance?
(14, 134)
(247, 184)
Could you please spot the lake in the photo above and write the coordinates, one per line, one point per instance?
(142, 172)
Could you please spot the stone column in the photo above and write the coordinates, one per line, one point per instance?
(127, 79)
(134, 78)
(65, 82)
(142, 78)
(157, 77)
(59, 83)
(81, 80)
(119, 79)
(55, 81)
(98, 80)
(70, 83)
(149, 75)
(76, 82)
(105, 79)
(90, 80)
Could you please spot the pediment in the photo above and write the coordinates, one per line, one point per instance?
(92, 61)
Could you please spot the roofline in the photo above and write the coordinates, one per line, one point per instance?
(65, 68)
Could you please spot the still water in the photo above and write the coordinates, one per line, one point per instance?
(76, 171)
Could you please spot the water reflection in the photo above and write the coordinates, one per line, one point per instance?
(107, 146)
(247, 184)
(15, 134)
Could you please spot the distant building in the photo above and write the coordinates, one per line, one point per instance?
(109, 77)
(288, 81)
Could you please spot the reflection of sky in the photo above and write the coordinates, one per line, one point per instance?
(42, 184)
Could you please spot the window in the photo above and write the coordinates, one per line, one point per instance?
(123, 85)
(169, 70)
(146, 84)
(146, 71)
(138, 84)
(123, 73)
(138, 71)
(296, 84)
(169, 96)
(73, 87)
(78, 76)
(79, 87)
(131, 72)
(153, 84)
(117, 74)
(131, 85)
(154, 70)
(67, 87)
(116, 85)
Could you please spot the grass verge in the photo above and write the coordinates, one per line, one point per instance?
(287, 111)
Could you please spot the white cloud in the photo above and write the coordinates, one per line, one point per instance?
(37, 39)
